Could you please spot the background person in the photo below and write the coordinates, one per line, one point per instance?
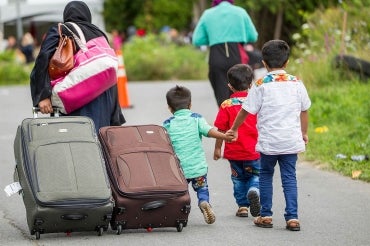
(27, 47)
(225, 28)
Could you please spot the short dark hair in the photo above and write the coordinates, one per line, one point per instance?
(240, 76)
(275, 53)
(178, 97)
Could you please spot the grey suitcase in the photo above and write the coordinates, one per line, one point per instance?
(61, 170)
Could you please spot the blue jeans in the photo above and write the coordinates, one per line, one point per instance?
(245, 176)
(287, 164)
(200, 186)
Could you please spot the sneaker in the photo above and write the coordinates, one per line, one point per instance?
(264, 222)
(254, 200)
(209, 215)
(242, 212)
(293, 225)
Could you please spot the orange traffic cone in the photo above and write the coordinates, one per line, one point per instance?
(123, 97)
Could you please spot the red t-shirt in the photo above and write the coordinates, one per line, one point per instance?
(244, 148)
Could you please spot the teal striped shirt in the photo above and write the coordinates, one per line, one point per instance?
(186, 129)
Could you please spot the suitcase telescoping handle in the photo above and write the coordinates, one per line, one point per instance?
(36, 110)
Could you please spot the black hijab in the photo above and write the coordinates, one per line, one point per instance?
(79, 13)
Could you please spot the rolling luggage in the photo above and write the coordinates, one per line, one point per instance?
(148, 185)
(60, 167)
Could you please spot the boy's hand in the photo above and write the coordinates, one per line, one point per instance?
(305, 138)
(217, 154)
(232, 135)
(229, 138)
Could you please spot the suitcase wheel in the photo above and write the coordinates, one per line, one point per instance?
(37, 234)
(100, 231)
(179, 227)
(119, 229)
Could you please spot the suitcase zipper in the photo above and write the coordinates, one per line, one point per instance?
(151, 194)
(78, 203)
(56, 123)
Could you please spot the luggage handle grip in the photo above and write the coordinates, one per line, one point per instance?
(153, 205)
(36, 110)
(74, 216)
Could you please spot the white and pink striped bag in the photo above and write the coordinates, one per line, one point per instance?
(95, 71)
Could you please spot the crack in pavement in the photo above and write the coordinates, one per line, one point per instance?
(13, 224)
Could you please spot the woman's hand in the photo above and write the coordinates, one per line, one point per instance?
(45, 106)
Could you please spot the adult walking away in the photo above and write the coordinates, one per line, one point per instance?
(104, 110)
(225, 28)
(281, 103)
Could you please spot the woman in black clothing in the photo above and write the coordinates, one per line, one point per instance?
(104, 110)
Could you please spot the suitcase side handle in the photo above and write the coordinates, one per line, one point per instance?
(73, 216)
(153, 205)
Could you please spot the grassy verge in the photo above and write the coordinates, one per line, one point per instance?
(340, 126)
(340, 112)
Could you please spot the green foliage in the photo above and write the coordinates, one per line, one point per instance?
(264, 14)
(155, 58)
(150, 15)
(340, 102)
(159, 13)
(154, 14)
(322, 36)
(120, 14)
(7, 56)
(12, 72)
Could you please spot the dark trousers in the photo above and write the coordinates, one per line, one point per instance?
(221, 58)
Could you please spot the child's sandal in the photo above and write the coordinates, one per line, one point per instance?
(264, 222)
(293, 225)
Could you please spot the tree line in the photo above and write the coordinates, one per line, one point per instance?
(274, 19)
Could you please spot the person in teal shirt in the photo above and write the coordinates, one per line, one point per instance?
(186, 129)
(225, 28)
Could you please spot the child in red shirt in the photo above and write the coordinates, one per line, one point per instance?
(243, 158)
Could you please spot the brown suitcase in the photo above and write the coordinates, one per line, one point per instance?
(148, 185)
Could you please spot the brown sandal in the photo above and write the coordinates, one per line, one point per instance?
(293, 225)
(242, 212)
(264, 222)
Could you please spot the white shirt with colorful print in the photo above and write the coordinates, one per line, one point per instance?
(278, 100)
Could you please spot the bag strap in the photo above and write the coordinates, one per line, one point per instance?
(64, 37)
(60, 29)
(81, 41)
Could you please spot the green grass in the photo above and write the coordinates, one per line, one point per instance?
(154, 58)
(13, 71)
(345, 111)
(340, 100)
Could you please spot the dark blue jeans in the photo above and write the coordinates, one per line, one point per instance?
(200, 186)
(245, 176)
(287, 164)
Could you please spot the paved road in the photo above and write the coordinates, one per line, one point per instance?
(334, 210)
